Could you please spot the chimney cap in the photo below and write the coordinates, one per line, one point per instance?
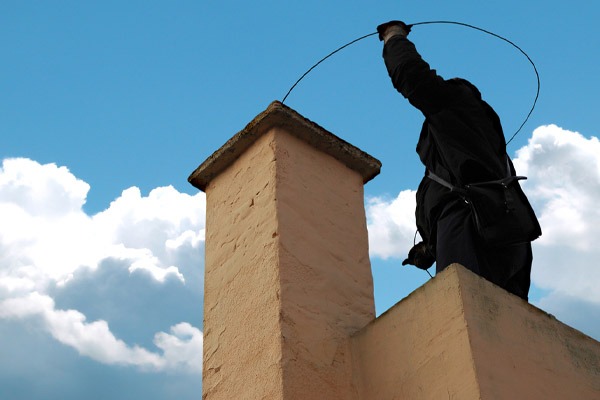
(278, 114)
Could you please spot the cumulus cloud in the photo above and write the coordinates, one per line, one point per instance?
(41, 244)
(391, 224)
(46, 239)
(564, 185)
(181, 349)
(69, 327)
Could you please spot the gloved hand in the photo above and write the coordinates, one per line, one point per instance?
(420, 256)
(392, 28)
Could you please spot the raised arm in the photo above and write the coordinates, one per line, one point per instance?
(410, 74)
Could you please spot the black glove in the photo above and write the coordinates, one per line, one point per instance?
(393, 28)
(420, 256)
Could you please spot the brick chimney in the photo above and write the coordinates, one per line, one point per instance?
(288, 276)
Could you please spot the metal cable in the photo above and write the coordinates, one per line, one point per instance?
(439, 22)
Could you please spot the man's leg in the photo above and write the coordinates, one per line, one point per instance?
(456, 240)
(511, 268)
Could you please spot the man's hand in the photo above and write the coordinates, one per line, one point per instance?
(420, 256)
(392, 28)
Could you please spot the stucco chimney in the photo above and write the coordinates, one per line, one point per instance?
(287, 270)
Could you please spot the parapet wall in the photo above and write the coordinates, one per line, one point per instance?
(461, 337)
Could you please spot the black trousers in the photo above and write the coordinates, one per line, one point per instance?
(458, 242)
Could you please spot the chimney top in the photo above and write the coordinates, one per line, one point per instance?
(279, 115)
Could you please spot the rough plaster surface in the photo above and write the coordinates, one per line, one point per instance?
(326, 283)
(419, 349)
(288, 276)
(461, 337)
(521, 352)
(242, 334)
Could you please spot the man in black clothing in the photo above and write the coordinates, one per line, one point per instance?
(462, 142)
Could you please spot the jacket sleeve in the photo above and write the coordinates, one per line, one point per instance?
(413, 77)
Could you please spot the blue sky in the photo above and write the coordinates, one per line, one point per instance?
(106, 107)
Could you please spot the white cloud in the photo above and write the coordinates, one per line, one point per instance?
(41, 245)
(391, 225)
(182, 349)
(564, 185)
(70, 327)
(187, 237)
(45, 237)
(28, 185)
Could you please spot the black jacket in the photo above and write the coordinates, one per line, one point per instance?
(461, 139)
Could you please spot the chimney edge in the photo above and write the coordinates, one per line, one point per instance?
(279, 115)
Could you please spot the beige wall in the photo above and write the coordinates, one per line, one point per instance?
(461, 337)
(326, 284)
(419, 349)
(288, 277)
(520, 350)
(242, 334)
